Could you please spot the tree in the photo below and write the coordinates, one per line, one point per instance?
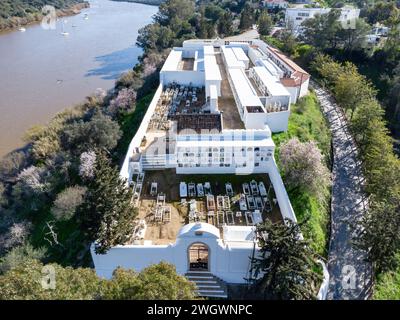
(160, 281)
(354, 38)
(225, 24)
(106, 215)
(156, 282)
(265, 23)
(25, 282)
(171, 10)
(99, 132)
(124, 101)
(351, 88)
(246, 17)
(380, 233)
(285, 267)
(87, 163)
(303, 166)
(67, 201)
(18, 255)
(321, 31)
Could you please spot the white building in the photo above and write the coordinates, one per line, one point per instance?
(213, 113)
(294, 17)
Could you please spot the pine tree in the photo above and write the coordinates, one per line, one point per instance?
(246, 17)
(225, 24)
(265, 23)
(107, 215)
(286, 263)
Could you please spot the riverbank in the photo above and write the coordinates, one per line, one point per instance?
(16, 22)
(148, 2)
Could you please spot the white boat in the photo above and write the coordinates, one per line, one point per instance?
(86, 17)
(22, 29)
(63, 32)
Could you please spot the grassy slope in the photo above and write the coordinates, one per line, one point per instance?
(387, 286)
(307, 123)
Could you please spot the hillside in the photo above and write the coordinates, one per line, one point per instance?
(14, 13)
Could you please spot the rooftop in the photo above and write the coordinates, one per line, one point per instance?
(275, 88)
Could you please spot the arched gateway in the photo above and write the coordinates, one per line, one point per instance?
(198, 256)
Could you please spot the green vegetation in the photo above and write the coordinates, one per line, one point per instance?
(307, 123)
(14, 13)
(160, 281)
(379, 235)
(287, 265)
(387, 285)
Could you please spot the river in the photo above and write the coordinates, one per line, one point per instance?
(42, 72)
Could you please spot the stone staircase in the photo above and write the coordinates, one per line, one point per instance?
(208, 285)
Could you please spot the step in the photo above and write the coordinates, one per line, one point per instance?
(206, 281)
(200, 277)
(224, 296)
(205, 291)
(207, 286)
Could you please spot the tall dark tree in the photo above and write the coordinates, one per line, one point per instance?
(107, 215)
(286, 265)
(265, 23)
(246, 17)
(225, 24)
(380, 234)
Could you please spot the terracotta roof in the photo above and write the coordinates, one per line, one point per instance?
(299, 75)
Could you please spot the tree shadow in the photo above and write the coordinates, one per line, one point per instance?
(114, 64)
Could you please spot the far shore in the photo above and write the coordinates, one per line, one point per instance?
(148, 2)
(71, 11)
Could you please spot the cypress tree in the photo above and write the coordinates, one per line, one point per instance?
(286, 267)
(107, 215)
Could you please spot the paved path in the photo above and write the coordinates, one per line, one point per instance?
(247, 35)
(350, 275)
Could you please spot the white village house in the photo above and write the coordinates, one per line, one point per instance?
(294, 17)
(202, 165)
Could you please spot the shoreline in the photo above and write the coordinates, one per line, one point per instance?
(147, 2)
(66, 12)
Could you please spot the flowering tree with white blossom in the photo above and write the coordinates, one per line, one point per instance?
(303, 166)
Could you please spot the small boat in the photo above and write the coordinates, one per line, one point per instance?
(63, 32)
(86, 17)
(22, 29)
